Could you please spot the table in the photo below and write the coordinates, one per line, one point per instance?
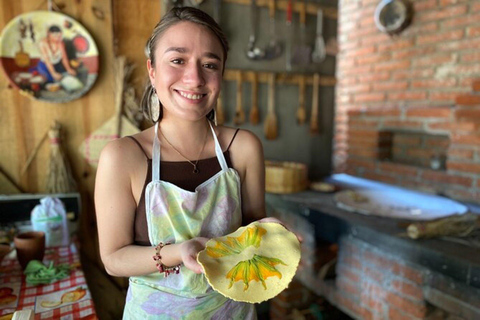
(69, 298)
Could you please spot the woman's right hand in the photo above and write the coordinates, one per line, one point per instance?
(57, 76)
(189, 251)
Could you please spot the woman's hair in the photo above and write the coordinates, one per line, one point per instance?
(174, 16)
(54, 28)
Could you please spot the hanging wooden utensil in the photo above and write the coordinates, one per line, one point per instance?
(219, 112)
(314, 129)
(239, 113)
(254, 112)
(271, 127)
(301, 111)
(22, 59)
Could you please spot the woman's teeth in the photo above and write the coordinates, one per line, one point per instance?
(191, 96)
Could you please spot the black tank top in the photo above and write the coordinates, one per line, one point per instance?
(179, 173)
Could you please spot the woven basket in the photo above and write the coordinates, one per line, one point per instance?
(285, 177)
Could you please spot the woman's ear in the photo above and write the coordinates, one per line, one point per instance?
(151, 71)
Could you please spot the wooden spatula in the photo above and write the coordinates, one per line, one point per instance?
(314, 116)
(301, 112)
(254, 112)
(271, 127)
(239, 113)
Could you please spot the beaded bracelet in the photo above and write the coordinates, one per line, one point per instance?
(160, 266)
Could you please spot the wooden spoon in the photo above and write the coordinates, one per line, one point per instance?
(271, 128)
(314, 116)
(219, 113)
(239, 113)
(254, 112)
(301, 112)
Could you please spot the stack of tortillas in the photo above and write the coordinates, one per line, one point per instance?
(252, 264)
(115, 127)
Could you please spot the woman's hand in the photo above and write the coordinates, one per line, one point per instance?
(57, 76)
(275, 220)
(72, 72)
(189, 251)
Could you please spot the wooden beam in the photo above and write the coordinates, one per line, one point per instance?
(328, 12)
(281, 77)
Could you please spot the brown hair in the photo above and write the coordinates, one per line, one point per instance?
(174, 16)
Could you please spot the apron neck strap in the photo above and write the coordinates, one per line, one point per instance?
(218, 150)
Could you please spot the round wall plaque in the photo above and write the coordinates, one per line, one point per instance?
(392, 16)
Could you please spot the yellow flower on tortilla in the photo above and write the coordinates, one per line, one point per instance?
(259, 268)
(235, 245)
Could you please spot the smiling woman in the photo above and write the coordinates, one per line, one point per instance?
(164, 192)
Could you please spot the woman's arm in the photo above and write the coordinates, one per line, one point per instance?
(115, 209)
(46, 59)
(247, 158)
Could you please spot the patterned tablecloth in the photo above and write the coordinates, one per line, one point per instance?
(65, 299)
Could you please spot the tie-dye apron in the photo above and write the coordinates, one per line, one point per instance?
(176, 215)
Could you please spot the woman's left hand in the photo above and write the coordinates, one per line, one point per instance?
(189, 251)
(72, 72)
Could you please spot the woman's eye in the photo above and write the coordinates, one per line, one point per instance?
(210, 66)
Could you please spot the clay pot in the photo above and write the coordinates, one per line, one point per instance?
(30, 246)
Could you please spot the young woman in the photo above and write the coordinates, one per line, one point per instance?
(164, 192)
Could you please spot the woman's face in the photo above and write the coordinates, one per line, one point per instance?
(188, 70)
(55, 36)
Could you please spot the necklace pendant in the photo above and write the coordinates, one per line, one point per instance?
(195, 170)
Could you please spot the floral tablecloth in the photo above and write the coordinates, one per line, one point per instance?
(65, 299)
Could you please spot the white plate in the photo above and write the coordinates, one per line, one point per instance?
(398, 204)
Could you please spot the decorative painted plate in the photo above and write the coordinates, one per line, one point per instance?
(252, 264)
(48, 56)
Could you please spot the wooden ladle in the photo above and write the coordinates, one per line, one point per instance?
(301, 112)
(239, 113)
(254, 112)
(314, 129)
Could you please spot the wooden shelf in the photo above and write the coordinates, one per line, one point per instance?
(311, 8)
(281, 77)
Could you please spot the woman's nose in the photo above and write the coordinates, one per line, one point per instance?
(194, 75)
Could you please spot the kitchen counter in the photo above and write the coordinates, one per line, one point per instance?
(450, 256)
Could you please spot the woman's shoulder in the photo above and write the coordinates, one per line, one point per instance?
(125, 151)
(240, 142)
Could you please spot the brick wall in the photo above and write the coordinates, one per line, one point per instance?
(424, 80)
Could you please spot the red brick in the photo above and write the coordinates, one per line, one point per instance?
(434, 83)
(424, 5)
(413, 52)
(361, 87)
(361, 163)
(374, 274)
(395, 45)
(460, 21)
(369, 97)
(415, 309)
(473, 32)
(373, 303)
(407, 272)
(459, 45)
(447, 178)
(454, 126)
(463, 194)
(450, 2)
(470, 57)
(424, 28)
(466, 139)
(352, 262)
(392, 65)
(408, 289)
(403, 124)
(438, 112)
(389, 86)
(372, 77)
(399, 169)
(465, 114)
(407, 95)
(348, 273)
(362, 123)
(359, 70)
(347, 287)
(426, 60)
(475, 7)
(372, 153)
(476, 85)
(468, 100)
(463, 167)
(395, 314)
(419, 153)
(374, 39)
(366, 143)
(382, 112)
(460, 153)
(374, 58)
(439, 14)
(360, 51)
(439, 37)
(443, 96)
(412, 74)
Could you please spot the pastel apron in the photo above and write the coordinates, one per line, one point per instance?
(176, 215)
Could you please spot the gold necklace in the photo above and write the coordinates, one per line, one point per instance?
(195, 169)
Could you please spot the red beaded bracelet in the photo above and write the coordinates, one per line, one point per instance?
(160, 266)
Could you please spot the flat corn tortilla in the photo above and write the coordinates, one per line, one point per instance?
(252, 264)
